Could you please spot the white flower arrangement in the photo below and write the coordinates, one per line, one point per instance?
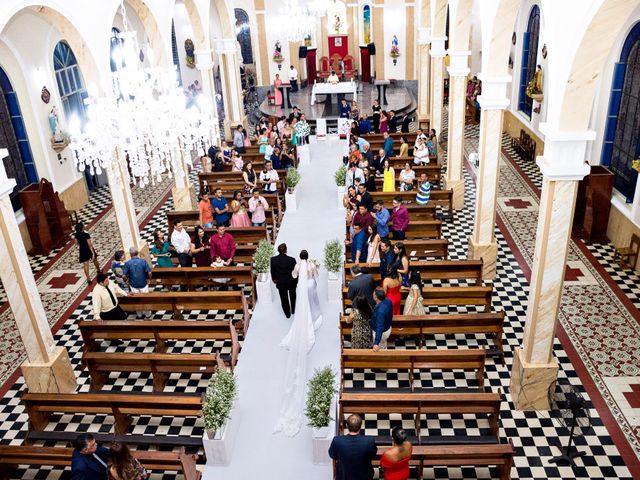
(321, 388)
(218, 400)
(333, 255)
(262, 257)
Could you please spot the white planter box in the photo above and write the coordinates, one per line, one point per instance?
(341, 192)
(291, 201)
(334, 288)
(321, 439)
(219, 450)
(263, 289)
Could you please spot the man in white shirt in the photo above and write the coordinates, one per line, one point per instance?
(268, 151)
(333, 78)
(105, 301)
(269, 178)
(293, 78)
(354, 175)
(181, 241)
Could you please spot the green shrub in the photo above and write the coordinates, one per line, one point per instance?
(333, 255)
(218, 400)
(293, 178)
(321, 388)
(341, 176)
(262, 257)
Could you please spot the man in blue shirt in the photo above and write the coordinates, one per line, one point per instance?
(381, 319)
(137, 273)
(220, 209)
(388, 145)
(382, 220)
(88, 461)
(361, 143)
(345, 109)
(387, 258)
(358, 245)
(365, 125)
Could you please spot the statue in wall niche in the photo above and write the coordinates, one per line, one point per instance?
(534, 88)
(189, 49)
(56, 134)
(337, 23)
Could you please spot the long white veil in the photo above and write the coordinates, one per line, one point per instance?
(298, 341)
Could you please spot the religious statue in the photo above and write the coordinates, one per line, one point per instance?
(189, 49)
(337, 23)
(277, 54)
(53, 121)
(395, 50)
(535, 85)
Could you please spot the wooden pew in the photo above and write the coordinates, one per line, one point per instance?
(424, 229)
(444, 296)
(122, 406)
(158, 330)
(440, 359)
(176, 302)
(438, 197)
(11, 456)
(433, 270)
(245, 244)
(422, 249)
(499, 455)
(444, 324)
(231, 181)
(160, 365)
(409, 137)
(417, 404)
(418, 212)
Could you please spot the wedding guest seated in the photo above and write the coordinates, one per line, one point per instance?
(420, 153)
(105, 299)
(395, 461)
(365, 125)
(223, 248)
(378, 163)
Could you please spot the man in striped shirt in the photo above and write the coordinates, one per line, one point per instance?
(424, 190)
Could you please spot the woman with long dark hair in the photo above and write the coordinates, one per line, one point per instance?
(359, 319)
(123, 465)
(414, 304)
(87, 252)
(402, 262)
(200, 247)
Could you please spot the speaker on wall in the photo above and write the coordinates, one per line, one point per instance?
(372, 48)
(302, 52)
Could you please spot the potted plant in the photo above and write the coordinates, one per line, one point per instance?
(291, 181)
(261, 266)
(341, 182)
(221, 419)
(320, 405)
(333, 254)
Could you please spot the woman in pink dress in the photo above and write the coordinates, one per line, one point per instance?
(277, 83)
(384, 122)
(240, 218)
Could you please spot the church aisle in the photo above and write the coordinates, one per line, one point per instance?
(258, 452)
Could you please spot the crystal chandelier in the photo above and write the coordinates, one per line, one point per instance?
(145, 119)
(298, 20)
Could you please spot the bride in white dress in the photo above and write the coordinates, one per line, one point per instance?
(299, 341)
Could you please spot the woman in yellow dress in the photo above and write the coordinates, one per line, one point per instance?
(389, 183)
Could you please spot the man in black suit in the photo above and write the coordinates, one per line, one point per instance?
(378, 163)
(361, 283)
(281, 268)
(353, 452)
(367, 154)
(365, 197)
(88, 461)
(393, 122)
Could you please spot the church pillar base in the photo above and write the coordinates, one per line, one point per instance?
(55, 376)
(530, 383)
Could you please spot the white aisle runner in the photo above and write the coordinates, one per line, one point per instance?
(259, 453)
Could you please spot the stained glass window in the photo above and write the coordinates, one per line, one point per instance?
(243, 34)
(366, 23)
(529, 59)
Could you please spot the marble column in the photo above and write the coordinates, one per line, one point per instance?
(493, 101)
(458, 72)
(437, 53)
(410, 39)
(424, 62)
(534, 368)
(227, 50)
(183, 192)
(48, 368)
(124, 208)
(262, 55)
(353, 13)
(377, 13)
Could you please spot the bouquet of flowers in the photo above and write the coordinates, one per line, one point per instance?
(303, 129)
(315, 262)
(395, 51)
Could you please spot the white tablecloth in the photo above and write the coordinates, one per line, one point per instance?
(328, 89)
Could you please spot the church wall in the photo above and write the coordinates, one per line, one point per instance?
(184, 31)
(475, 41)
(394, 19)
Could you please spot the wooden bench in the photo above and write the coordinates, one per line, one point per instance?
(422, 249)
(443, 402)
(499, 455)
(122, 406)
(177, 302)
(247, 235)
(524, 146)
(421, 229)
(419, 212)
(397, 359)
(472, 113)
(11, 456)
(160, 365)
(433, 270)
(444, 296)
(444, 324)
(159, 330)
(230, 185)
(438, 197)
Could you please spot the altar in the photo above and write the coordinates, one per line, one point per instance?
(330, 89)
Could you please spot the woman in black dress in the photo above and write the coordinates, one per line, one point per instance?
(87, 252)
(376, 109)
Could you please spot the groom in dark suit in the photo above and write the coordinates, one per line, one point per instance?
(282, 266)
(353, 452)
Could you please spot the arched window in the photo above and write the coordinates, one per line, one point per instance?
(70, 83)
(366, 24)
(529, 59)
(13, 137)
(243, 34)
(621, 142)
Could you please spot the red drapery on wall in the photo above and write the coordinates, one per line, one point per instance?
(338, 44)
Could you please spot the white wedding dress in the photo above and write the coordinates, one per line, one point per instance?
(299, 341)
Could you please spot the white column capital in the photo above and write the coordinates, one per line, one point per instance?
(225, 46)
(6, 184)
(564, 153)
(437, 47)
(458, 63)
(494, 92)
(204, 59)
(424, 35)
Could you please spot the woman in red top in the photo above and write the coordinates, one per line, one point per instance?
(395, 461)
(391, 286)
